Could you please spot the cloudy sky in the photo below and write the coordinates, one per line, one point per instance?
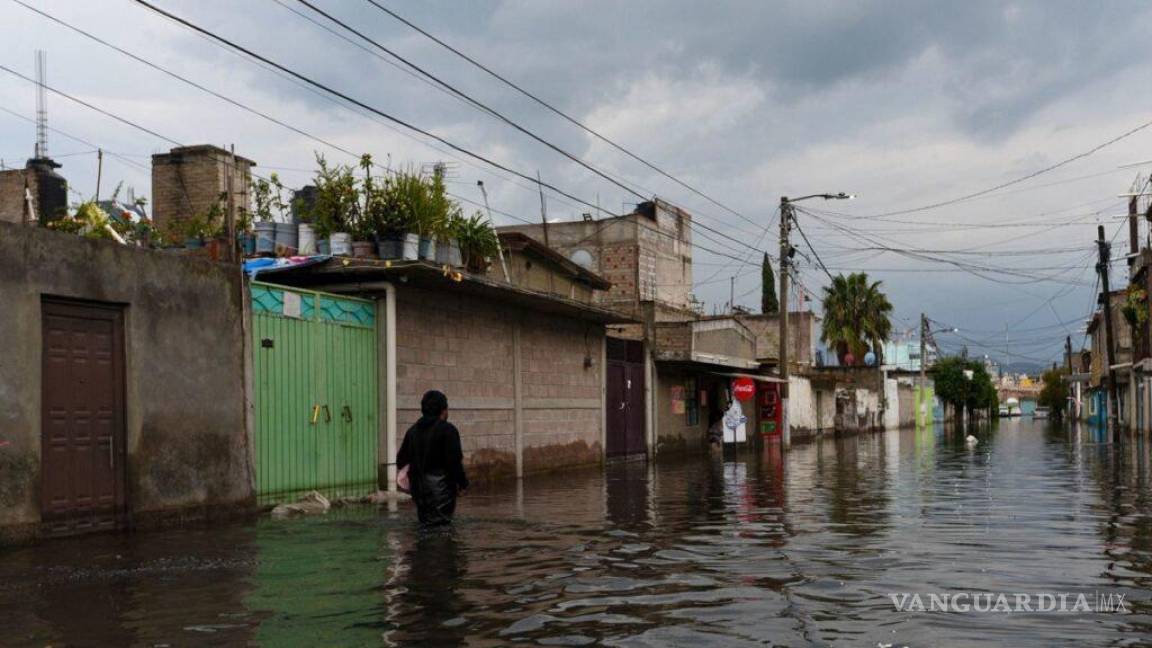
(905, 104)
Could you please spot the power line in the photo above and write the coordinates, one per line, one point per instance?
(561, 113)
(360, 104)
(1024, 178)
(471, 100)
(796, 222)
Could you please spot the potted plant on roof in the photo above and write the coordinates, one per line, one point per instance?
(334, 206)
(409, 197)
(478, 242)
(443, 210)
(363, 226)
(389, 221)
(244, 237)
(263, 202)
(448, 247)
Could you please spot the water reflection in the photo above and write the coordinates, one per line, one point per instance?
(743, 548)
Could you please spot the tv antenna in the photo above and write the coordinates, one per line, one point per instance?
(41, 105)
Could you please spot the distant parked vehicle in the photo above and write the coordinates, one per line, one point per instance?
(1041, 412)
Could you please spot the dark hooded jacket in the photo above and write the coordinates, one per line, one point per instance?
(431, 450)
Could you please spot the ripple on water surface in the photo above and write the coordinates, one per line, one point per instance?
(744, 550)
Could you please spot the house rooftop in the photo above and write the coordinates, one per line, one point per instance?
(339, 274)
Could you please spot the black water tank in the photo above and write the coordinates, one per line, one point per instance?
(52, 189)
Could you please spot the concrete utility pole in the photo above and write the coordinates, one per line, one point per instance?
(732, 294)
(923, 409)
(1110, 354)
(785, 256)
(786, 216)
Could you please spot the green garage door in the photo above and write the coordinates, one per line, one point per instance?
(316, 395)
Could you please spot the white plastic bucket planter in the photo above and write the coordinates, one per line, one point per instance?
(341, 244)
(411, 250)
(286, 238)
(307, 239)
(265, 237)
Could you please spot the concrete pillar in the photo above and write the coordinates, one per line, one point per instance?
(386, 379)
(518, 396)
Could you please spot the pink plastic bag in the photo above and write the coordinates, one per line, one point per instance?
(402, 482)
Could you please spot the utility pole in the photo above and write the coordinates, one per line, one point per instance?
(1068, 353)
(923, 409)
(785, 253)
(543, 209)
(732, 294)
(1110, 353)
(99, 171)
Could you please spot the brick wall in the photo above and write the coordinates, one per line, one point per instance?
(464, 346)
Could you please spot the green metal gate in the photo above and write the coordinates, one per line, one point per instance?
(316, 393)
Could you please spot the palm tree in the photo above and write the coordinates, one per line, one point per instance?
(855, 316)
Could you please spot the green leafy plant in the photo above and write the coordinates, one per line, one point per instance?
(268, 198)
(478, 241)
(856, 316)
(1135, 308)
(336, 201)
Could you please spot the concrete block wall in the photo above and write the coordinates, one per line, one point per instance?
(12, 183)
(186, 429)
(188, 180)
(469, 348)
(562, 406)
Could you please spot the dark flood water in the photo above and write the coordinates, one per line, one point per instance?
(747, 550)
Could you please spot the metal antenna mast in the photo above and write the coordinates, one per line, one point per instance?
(41, 105)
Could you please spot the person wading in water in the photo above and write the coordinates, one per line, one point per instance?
(431, 451)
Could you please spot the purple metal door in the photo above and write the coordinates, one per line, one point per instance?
(617, 404)
(82, 417)
(625, 398)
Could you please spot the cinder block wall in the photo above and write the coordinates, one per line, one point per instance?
(187, 445)
(12, 194)
(187, 181)
(466, 347)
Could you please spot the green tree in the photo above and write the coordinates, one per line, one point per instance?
(964, 384)
(856, 316)
(769, 303)
(1054, 394)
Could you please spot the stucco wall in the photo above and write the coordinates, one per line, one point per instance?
(802, 407)
(469, 348)
(187, 445)
(892, 396)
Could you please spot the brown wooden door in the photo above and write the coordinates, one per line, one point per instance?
(82, 417)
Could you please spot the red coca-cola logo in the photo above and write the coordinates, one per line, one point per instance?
(743, 388)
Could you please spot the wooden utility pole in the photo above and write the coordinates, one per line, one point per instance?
(543, 209)
(922, 411)
(1109, 348)
(785, 254)
(1068, 352)
(230, 217)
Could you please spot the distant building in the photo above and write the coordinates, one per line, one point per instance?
(35, 193)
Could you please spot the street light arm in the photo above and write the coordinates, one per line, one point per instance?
(825, 196)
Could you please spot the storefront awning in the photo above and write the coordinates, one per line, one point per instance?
(759, 377)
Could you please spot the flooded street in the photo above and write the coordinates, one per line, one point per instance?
(750, 550)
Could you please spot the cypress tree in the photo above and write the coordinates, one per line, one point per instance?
(769, 304)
